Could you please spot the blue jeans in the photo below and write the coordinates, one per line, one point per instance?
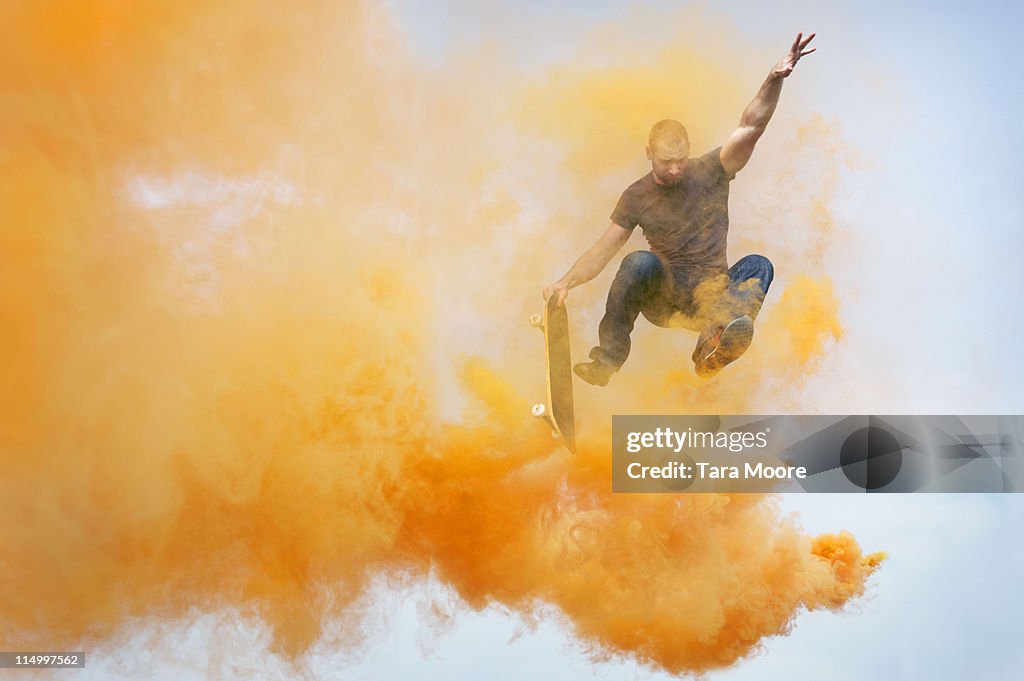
(642, 285)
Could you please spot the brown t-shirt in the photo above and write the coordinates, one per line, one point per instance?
(685, 224)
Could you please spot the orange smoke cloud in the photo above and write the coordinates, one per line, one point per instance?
(243, 254)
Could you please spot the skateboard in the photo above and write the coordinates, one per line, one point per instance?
(558, 410)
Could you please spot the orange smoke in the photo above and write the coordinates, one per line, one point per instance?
(264, 282)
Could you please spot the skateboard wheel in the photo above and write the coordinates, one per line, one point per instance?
(537, 321)
(538, 410)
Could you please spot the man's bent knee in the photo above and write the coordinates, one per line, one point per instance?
(641, 260)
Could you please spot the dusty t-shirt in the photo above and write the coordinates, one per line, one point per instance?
(685, 224)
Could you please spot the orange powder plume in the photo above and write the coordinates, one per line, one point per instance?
(264, 284)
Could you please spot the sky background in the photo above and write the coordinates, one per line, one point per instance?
(944, 606)
(911, 110)
(926, 96)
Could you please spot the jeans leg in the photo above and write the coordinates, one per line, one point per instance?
(749, 280)
(638, 286)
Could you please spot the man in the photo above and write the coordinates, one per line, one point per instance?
(684, 280)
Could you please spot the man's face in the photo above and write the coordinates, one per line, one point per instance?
(668, 162)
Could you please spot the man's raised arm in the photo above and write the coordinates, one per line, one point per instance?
(590, 263)
(737, 149)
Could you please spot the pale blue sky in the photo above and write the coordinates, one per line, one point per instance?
(935, 272)
(945, 607)
(929, 95)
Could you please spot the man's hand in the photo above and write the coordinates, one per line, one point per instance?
(560, 289)
(737, 149)
(796, 50)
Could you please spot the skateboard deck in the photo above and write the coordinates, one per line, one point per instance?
(558, 410)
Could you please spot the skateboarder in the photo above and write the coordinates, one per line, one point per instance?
(684, 280)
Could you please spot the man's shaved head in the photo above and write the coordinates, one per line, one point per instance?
(668, 134)
(668, 149)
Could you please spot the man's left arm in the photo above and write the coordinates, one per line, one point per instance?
(737, 149)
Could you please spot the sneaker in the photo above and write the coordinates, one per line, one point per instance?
(595, 373)
(723, 347)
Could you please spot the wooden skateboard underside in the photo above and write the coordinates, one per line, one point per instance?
(559, 407)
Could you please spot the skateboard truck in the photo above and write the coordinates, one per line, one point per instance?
(541, 411)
